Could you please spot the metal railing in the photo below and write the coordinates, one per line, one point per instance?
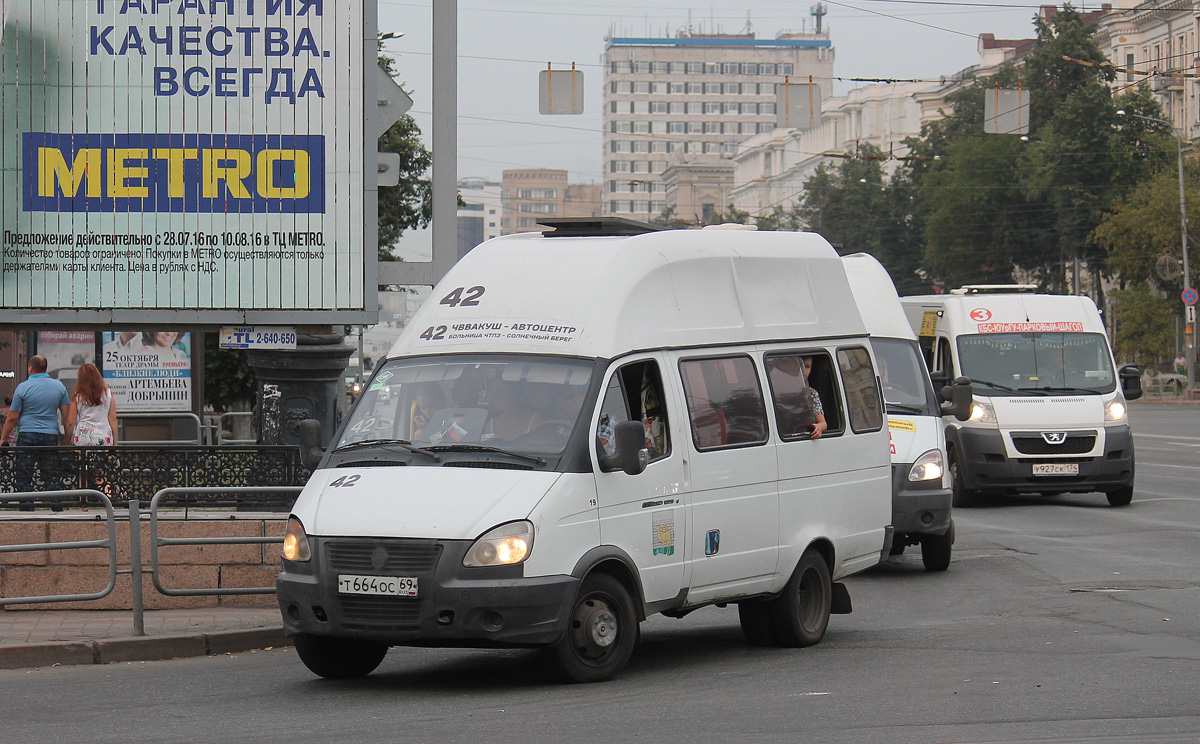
(136, 569)
(138, 471)
(109, 542)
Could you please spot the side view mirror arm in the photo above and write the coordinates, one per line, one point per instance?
(311, 451)
(957, 399)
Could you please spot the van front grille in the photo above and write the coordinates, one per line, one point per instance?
(1074, 445)
(366, 612)
(390, 557)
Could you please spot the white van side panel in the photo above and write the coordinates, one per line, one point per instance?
(565, 526)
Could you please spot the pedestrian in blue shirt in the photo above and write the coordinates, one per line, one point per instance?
(37, 404)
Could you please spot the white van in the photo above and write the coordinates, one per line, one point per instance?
(579, 429)
(1049, 414)
(921, 488)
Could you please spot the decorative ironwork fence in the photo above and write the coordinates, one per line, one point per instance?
(131, 471)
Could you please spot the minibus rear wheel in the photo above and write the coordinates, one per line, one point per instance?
(339, 658)
(801, 613)
(601, 632)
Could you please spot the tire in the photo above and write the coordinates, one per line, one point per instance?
(963, 498)
(1121, 497)
(800, 614)
(897, 548)
(339, 658)
(755, 617)
(601, 632)
(936, 549)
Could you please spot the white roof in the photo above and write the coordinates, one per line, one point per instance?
(604, 296)
(875, 294)
(1009, 313)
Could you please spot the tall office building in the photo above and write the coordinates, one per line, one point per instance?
(693, 94)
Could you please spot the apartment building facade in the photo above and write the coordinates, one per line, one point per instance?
(692, 95)
(529, 195)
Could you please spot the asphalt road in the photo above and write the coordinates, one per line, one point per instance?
(1060, 620)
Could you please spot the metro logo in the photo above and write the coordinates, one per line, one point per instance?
(173, 173)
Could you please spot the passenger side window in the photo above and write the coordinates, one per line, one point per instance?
(795, 406)
(823, 380)
(944, 361)
(862, 390)
(725, 402)
(634, 393)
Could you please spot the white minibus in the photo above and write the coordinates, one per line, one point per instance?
(921, 489)
(1049, 413)
(587, 426)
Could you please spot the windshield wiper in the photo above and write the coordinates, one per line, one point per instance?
(486, 448)
(1050, 389)
(388, 443)
(903, 408)
(995, 385)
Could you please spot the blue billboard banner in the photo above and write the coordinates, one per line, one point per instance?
(200, 173)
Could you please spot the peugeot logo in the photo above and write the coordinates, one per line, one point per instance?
(1054, 437)
(379, 558)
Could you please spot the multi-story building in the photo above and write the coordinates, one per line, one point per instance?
(692, 95)
(480, 213)
(533, 194)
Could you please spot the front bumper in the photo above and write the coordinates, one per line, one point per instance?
(987, 467)
(455, 606)
(919, 508)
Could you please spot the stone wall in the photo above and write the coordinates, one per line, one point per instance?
(85, 570)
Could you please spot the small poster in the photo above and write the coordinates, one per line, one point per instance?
(149, 371)
(66, 352)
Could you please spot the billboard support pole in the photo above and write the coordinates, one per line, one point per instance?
(445, 136)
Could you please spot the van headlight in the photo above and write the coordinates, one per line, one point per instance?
(506, 545)
(1115, 410)
(928, 467)
(982, 412)
(295, 542)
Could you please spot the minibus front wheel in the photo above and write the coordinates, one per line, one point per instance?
(339, 658)
(601, 632)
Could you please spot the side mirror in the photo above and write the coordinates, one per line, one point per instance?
(632, 454)
(1131, 382)
(311, 451)
(956, 399)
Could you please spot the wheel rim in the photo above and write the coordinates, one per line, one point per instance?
(594, 629)
(810, 599)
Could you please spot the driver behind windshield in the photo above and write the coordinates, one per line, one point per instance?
(511, 417)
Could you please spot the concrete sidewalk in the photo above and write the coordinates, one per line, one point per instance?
(35, 638)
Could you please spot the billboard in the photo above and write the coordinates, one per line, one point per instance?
(148, 371)
(200, 156)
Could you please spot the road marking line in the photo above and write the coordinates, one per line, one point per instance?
(1164, 436)
(1165, 465)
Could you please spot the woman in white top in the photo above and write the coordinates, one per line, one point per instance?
(92, 417)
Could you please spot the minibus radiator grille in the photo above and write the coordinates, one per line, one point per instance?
(1074, 445)
(402, 557)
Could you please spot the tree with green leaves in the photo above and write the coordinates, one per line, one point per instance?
(408, 205)
(1145, 332)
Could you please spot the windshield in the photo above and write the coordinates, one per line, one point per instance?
(906, 386)
(516, 403)
(1052, 362)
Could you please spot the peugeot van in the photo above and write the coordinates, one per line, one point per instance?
(1049, 414)
(587, 426)
(921, 488)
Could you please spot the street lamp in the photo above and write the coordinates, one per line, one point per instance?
(1190, 335)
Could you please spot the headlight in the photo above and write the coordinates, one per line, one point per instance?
(928, 467)
(295, 542)
(505, 545)
(982, 412)
(1114, 410)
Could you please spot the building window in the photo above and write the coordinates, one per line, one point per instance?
(657, 207)
(729, 68)
(786, 69)
(612, 107)
(621, 66)
(695, 127)
(712, 127)
(695, 88)
(527, 222)
(712, 88)
(643, 127)
(712, 68)
(642, 87)
(676, 127)
(749, 68)
(660, 107)
(712, 108)
(678, 107)
(639, 107)
(733, 89)
(766, 108)
(733, 108)
(765, 126)
(537, 193)
(659, 146)
(538, 208)
(678, 68)
(618, 166)
(660, 68)
(695, 68)
(766, 69)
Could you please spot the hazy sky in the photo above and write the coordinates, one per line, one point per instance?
(502, 44)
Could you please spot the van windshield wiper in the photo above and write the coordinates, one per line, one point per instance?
(1050, 389)
(404, 443)
(990, 384)
(903, 408)
(486, 448)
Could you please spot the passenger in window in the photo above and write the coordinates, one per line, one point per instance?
(819, 425)
(430, 397)
(795, 402)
